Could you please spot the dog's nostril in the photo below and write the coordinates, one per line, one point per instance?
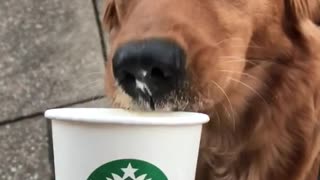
(157, 73)
(128, 78)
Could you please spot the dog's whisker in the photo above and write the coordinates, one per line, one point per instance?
(218, 117)
(253, 61)
(248, 46)
(227, 59)
(225, 40)
(231, 107)
(231, 59)
(250, 88)
(245, 74)
(245, 59)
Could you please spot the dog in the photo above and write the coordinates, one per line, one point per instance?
(252, 65)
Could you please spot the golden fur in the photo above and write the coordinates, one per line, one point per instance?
(252, 65)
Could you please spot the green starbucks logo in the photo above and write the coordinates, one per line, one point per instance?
(128, 169)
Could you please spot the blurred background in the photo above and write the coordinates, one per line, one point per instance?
(52, 54)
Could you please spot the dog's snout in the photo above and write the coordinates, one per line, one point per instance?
(151, 68)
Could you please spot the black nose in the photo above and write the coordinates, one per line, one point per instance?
(149, 68)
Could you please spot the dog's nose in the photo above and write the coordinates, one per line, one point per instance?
(149, 68)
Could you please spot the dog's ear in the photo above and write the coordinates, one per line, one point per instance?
(114, 13)
(315, 11)
(298, 10)
(110, 17)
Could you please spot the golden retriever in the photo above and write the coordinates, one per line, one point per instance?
(252, 65)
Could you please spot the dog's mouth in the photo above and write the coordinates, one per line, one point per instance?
(145, 98)
(146, 102)
(149, 103)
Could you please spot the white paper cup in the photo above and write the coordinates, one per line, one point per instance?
(115, 144)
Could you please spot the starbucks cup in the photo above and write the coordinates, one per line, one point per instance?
(116, 144)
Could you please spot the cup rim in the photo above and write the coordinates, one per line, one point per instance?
(126, 117)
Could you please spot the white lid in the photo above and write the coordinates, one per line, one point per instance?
(120, 116)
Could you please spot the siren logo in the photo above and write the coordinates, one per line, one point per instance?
(128, 169)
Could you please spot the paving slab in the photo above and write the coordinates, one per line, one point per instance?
(50, 55)
(24, 150)
(99, 103)
(101, 4)
(100, 8)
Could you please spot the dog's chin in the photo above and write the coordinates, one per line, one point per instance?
(149, 105)
(170, 103)
(145, 106)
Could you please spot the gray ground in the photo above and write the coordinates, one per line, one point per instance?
(51, 55)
